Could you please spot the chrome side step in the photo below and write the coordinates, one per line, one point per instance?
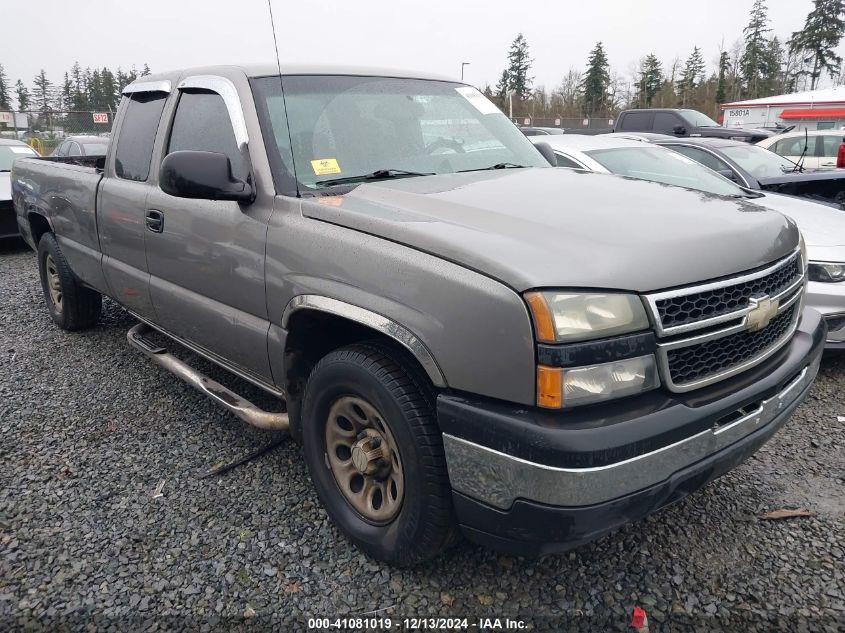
(244, 409)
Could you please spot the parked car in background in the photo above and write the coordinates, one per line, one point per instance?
(541, 131)
(757, 168)
(682, 122)
(464, 337)
(82, 146)
(10, 151)
(822, 147)
(823, 227)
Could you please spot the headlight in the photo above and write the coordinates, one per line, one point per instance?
(826, 272)
(568, 387)
(561, 317)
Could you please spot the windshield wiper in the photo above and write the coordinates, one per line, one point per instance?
(378, 174)
(496, 166)
(4, 170)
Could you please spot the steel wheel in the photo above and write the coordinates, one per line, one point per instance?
(54, 283)
(364, 459)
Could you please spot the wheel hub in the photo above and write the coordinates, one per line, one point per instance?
(363, 456)
(368, 453)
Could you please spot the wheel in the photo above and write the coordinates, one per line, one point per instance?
(72, 306)
(375, 453)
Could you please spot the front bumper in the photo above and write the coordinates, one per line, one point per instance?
(829, 299)
(531, 482)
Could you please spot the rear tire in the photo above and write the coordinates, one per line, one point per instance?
(72, 306)
(401, 513)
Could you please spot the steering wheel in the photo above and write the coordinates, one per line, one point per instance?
(447, 144)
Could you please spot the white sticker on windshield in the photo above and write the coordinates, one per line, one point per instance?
(17, 149)
(481, 103)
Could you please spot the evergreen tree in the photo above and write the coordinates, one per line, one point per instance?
(722, 84)
(43, 94)
(67, 93)
(754, 64)
(22, 93)
(146, 71)
(691, 76)
(519, 65)
(596, 81)
(502, 87)
(5, 96)
(819, 39)
(649, 81)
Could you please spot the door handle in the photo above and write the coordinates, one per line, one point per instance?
(155, 220)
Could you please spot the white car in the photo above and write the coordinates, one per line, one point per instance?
(10, 151)
(823, 226)
(822, 147)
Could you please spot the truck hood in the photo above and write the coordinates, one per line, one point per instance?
(532, 228)
(5, 185)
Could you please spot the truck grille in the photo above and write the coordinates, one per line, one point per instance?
(688, 364)
(690, 308)
(706, 333)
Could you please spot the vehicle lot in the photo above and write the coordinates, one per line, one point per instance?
(90, 428)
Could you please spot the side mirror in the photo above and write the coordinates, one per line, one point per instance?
(548, 153)
(727, 173)
(202, 175)
(679, 130)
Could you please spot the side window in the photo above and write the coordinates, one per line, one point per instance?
(700, 156)
(61, 150)
(636, 121)
(563, 161)
(202, 123)
(74, 150)
(790, 146)
(825, 125)
(665, 122)
(137, 135)
(830, 145)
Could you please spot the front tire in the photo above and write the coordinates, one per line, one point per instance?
(72, 306)
(375, 454)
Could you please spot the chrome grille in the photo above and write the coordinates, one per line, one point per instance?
(689, 364)
(716, 302)
(706, 333)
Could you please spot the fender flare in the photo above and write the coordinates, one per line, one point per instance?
(373, 320)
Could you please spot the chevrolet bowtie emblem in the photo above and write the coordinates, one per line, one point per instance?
(763, 310)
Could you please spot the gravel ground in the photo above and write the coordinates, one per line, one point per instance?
(90, 429)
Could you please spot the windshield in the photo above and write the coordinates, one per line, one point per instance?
(759, 162)
(10, 153)
(697, 119)
(662, 165)
(95, 149)
(343, 127)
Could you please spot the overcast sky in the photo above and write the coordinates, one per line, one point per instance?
(434, 35)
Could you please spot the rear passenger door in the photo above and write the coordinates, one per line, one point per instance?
(123, 197)
(828, 150)
(636, 121)
(206, 257)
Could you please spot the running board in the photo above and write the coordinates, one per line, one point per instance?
(244, 409)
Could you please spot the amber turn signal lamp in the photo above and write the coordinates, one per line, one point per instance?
(549, 383)
(543, 322)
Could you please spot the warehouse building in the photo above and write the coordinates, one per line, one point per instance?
(811, 110)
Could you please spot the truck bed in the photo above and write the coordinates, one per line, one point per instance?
(63, 190)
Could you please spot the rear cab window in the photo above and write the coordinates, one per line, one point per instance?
(636, 121)
(137, 135)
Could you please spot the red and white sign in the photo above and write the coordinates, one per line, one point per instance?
(5, 117)
(526, 121)
(100, 117)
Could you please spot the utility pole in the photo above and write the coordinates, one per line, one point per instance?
(462, 69)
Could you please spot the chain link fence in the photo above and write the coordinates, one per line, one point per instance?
(44, 131)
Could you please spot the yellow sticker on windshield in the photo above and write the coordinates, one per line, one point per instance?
(325, 166)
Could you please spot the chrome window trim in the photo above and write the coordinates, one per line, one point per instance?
(652, 299)
(663, 349)
(499, 479)
(229, 93)
(371, 319)
(148, 86)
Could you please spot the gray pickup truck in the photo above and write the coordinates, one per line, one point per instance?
(465, 339)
